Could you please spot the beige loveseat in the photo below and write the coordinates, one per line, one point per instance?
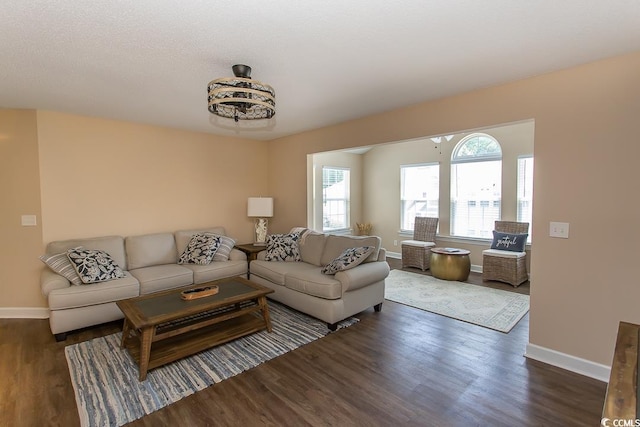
(328, 297)
(150, 265)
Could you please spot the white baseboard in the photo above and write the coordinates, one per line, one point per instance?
(398, 255)
(568, 362)
(394, 255)
(24, 313)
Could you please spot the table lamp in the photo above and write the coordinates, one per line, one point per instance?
(260, 208)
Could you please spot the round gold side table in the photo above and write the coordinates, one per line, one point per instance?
(450, 264)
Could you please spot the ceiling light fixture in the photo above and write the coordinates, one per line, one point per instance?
(241, 98)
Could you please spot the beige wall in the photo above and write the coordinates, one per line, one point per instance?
(87, 177)
(350, 161)
(19, 195)
(586, 150)
(102, 177)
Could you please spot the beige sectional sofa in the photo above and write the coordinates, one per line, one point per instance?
(328, 297)
(150, 265)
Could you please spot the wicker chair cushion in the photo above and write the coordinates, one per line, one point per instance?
(417, 243)
(503, 254)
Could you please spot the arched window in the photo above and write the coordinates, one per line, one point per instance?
(476, 186)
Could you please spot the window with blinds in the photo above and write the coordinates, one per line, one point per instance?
(335, 198)
(476, 186)
(419, 193)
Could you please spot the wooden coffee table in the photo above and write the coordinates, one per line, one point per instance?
(160, 328)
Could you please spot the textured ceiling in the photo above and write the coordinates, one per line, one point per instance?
(329, 61)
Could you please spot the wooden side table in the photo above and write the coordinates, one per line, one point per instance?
(252, 253)
(450, 263)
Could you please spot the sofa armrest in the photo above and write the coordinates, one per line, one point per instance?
(237, 255)
(362, 275)
(382, 254)
(50, 280)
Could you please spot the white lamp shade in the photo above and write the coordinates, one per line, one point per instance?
(260, 207)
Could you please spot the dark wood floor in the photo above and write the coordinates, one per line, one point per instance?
(401, 366)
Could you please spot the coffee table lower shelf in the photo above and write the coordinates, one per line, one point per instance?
(177, 347)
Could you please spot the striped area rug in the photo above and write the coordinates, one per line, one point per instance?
(105, 378)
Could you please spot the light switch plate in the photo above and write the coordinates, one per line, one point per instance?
(29, 220)
(559, 229)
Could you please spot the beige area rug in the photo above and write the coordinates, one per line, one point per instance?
(490, 308)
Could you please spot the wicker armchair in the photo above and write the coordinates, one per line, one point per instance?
(506, 266)
(417, 252)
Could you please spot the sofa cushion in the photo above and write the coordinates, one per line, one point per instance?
(335, 245)
(275, 271)
(349, 258)
(226, 245)
(216, 270)
(313, 282)
(161, 277)
(184, 236)
(311, 246)
(98, 293)
(150, 249)
(113, 245)
(60, 264)
(283, 247)
(94, 265)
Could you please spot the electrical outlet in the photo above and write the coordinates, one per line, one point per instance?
(559, 229)
(395, 243)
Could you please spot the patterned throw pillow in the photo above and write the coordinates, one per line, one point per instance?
(94, 265)
(60, 264)
(349, 258)
(226, 244)
(283, 247)
(201, 249)
(509, 242)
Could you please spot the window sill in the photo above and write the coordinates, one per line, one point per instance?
(455, 239)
